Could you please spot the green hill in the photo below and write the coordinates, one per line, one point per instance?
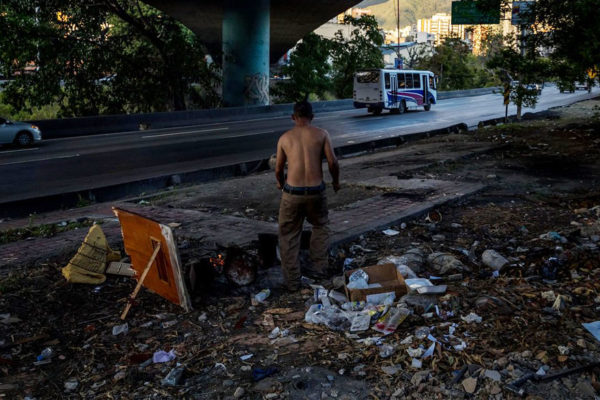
(410, 10)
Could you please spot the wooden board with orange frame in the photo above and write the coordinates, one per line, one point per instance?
(142, 236)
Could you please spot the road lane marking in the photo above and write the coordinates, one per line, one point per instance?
(184, 133)
(17, 151)
(233, 136)
(40, 159)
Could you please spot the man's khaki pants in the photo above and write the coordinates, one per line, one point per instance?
(293, 209)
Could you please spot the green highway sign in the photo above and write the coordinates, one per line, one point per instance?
(466, 12)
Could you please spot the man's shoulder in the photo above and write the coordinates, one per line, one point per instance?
(319, 131)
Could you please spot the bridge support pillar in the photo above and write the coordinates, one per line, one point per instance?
(246, 36)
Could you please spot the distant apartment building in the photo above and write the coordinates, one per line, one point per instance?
(407, 34)
(441, 26)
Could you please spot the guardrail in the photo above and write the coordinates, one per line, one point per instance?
(69, 127)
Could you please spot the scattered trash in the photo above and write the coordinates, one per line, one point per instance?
(259, 374)
(120, 329)
(593, 328)
(472, 317)
(494, 260)
(434, 217)
(120, 268)
(262, 295)
(549, 269)
(386, 350)
(173, 377)
(246, 357)
(360, 322)
(71, 384)
(390, 232)
(390, 321)
(46, 354)
(162, 356)
(445, 263)
(398, 262)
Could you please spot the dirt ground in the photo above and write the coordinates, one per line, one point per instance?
(542, 200)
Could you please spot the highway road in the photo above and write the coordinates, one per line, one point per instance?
(88, 162)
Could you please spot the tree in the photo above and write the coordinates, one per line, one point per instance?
(308, 70)
(524, 69)
(570, 29)
(361, 51)
(450, 61)
(105, 56)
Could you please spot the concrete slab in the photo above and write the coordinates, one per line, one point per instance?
(392, 208)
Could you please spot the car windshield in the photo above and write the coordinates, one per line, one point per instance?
(367, 77)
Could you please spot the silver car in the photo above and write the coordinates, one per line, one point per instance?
(19, 133)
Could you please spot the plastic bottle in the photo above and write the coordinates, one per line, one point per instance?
(174, 376)
(46, 354)
(262, 295)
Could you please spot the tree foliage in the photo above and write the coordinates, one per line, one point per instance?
(569, 29)
(308, 70)
(520, 67)
(105, 56)
(457, 68)
(362, 50)
(318, 65)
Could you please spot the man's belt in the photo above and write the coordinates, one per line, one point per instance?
(303, 190)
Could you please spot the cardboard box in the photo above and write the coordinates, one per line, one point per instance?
(385, 274)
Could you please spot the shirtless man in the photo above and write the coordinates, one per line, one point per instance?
(303, 193)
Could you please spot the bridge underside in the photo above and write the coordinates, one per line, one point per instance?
(250, 34)
(290, 20)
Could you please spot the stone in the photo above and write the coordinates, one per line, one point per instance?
(391, 369)
(419, 377)
(502, 362)
(470, 385)
(586, 390)
(438, 238)
(493, 375)
(239, 392)
(495, 389)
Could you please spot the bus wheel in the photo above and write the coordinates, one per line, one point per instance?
(427, 107)
(402, 108)
(377, 111)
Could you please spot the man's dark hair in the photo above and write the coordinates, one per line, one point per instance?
(303, 109)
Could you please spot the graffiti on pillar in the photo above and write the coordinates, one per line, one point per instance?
(257, 89)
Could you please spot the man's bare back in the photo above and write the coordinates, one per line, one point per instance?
(303, 147)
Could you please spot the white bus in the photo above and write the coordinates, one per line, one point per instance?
(394, 90)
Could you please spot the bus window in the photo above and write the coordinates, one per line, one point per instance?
(431, 82)
(409, 81)
(367, 77)
(386, 77)
(417, 81)
(401, 83)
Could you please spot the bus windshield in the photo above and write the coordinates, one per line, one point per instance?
(367, 77)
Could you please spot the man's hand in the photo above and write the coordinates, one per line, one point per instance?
(336, 186)
(279, 186)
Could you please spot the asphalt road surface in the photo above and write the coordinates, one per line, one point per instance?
(82, 163)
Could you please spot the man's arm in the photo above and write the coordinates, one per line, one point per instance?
(280, 165)
(332, 162)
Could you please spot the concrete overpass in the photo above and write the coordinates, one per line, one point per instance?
(250, 35)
